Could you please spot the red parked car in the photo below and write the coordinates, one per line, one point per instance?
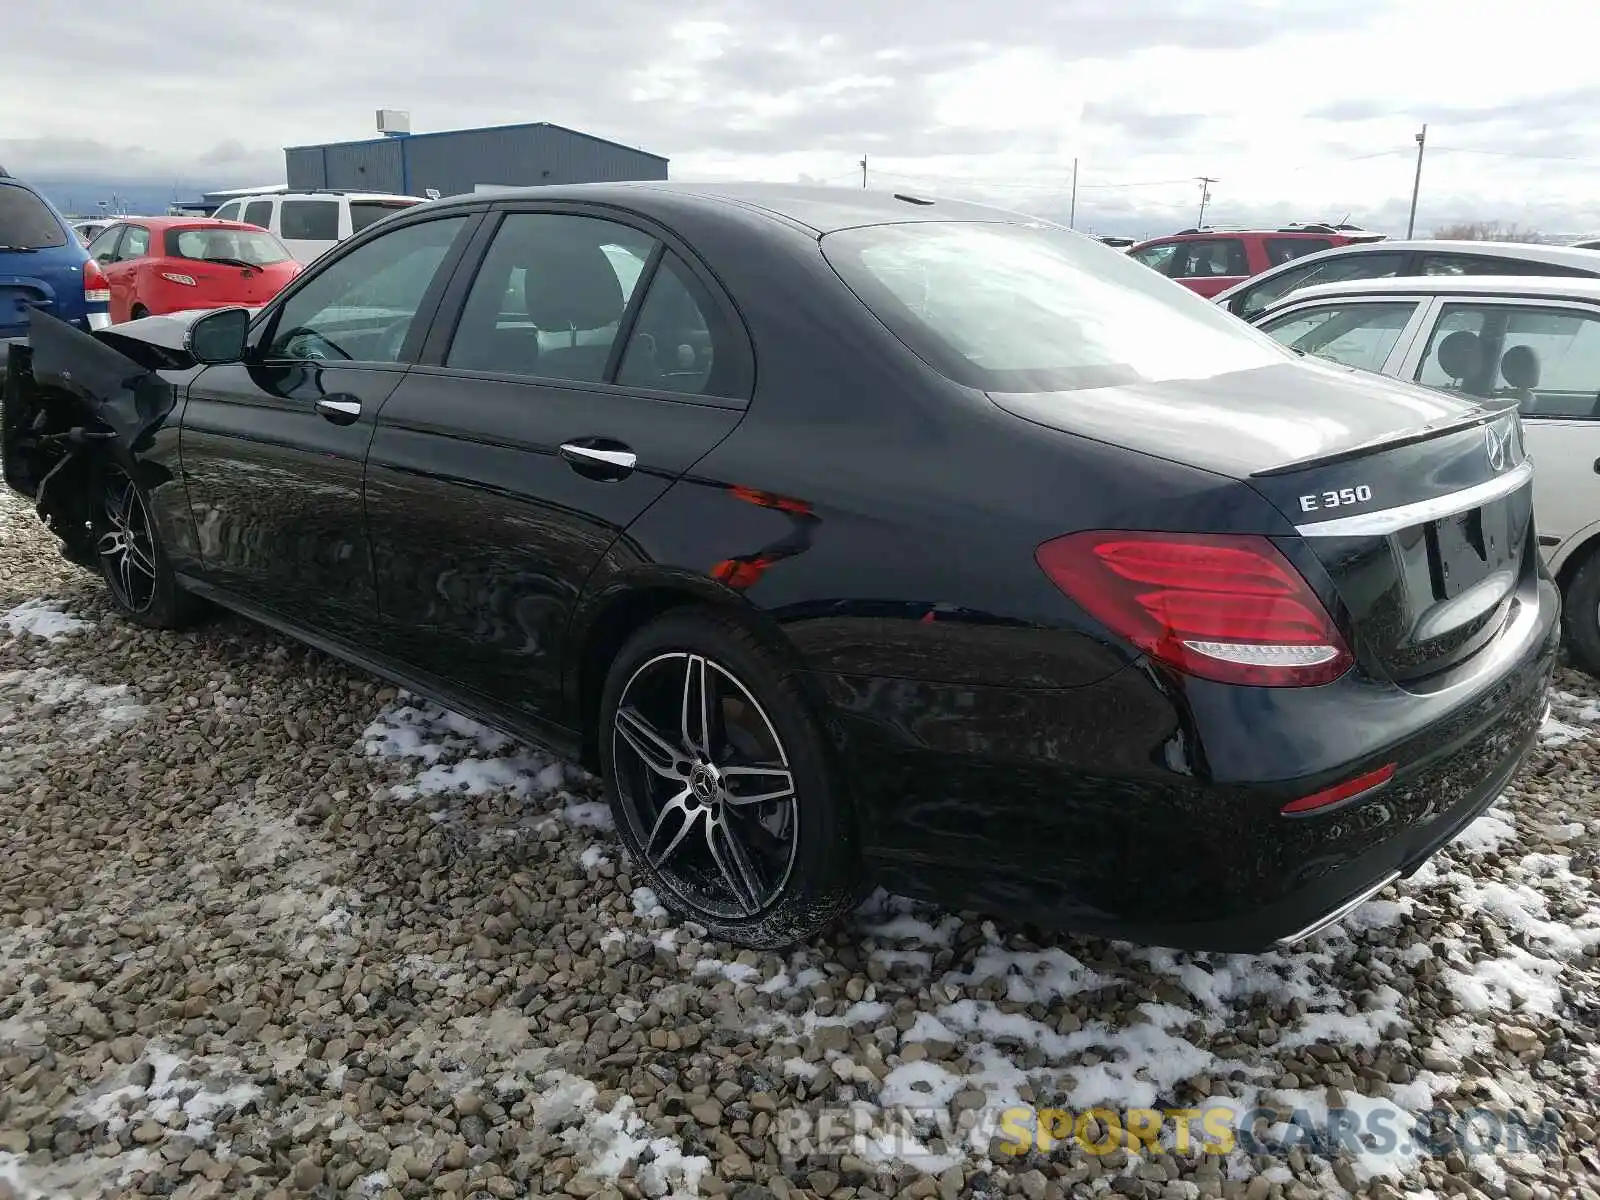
(1211, 259)
(158, 265)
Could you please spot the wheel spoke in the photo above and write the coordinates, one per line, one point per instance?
(696, 714)
(653, 750)
(141, 558)
(737, 870)
(686, 822)
(780, 784)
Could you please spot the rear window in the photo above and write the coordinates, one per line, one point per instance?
(309, 220)
(1032, 308)
(243, 245)
(26, 222)
(368, 212)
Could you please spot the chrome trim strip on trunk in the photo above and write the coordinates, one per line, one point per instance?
(1391, 520)
(1344, 910)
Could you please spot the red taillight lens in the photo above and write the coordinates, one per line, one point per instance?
(96, 288)
(1225, 607)
(1340, 792)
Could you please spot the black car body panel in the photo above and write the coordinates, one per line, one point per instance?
(875, 524)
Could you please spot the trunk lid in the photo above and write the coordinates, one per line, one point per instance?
(223, 284)
(1414, 506)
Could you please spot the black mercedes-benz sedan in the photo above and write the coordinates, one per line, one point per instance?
(854, 538)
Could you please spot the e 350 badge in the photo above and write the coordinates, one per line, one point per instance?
(1317, 501)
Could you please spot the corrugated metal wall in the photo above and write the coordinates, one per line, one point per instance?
(456, 162)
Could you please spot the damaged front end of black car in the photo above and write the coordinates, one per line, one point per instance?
(83, 421)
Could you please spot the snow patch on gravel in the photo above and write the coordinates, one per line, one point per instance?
(46, 619)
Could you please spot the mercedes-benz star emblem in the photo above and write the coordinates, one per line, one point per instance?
(1497, 441)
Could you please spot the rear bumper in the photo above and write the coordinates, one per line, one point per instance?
(1136, 810)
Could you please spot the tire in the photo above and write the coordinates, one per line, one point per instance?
(1580, 616)
(132, 560)
(791, 866)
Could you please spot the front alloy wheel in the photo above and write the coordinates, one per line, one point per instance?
(126, 546)
(720, 781)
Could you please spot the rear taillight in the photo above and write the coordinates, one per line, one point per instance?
(96, 288)
(174, 277)
(1225, 607)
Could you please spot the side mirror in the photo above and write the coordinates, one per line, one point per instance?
(219, 337)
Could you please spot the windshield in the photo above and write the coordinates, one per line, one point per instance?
(251, 246)
(26, 222)
(1034, 307)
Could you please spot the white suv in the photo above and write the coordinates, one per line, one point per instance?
(310, 222)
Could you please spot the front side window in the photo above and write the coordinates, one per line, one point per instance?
(1157, 258)
(359, 307)
(1032, 308)
(26, 222)
(136, 244)
(104, 248)
(549, 298)
(1337, 269)
(309, 220)
(1357, 335)
(259, 213)
(228, 212)
(1546, 358)
(252, 246)
(1209, 258)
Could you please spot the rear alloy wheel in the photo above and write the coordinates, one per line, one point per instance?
(1580, 614)
(719, 780)
(132, 560)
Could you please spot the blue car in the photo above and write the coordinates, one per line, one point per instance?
(43, 265)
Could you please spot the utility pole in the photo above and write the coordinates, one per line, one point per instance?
(1205, 195)
(1416, 184)
(1072, 210)
(863, 170)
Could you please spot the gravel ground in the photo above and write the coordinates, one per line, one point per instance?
(268, 928)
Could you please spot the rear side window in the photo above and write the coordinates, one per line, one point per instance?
(368, 212)
(259, 212)
(309, 220)
(1282, 250)
(26, 222)
(228, 212)
(1034, 308)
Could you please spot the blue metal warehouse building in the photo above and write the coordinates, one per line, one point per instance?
(461, 160)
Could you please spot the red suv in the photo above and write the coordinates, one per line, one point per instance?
(1211, 259)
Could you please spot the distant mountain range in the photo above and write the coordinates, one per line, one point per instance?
(82, 198)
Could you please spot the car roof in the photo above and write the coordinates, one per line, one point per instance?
(820, 209)
(1532, 286)
(1564, 256)
(324, 194)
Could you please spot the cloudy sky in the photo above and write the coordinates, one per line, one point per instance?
(1302, 109)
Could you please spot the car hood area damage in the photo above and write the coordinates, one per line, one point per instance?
(70, 398)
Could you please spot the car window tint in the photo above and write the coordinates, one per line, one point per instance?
(1357, 335)
(136, 244)
(549, 297)
(1484, 264)
(259, 213)
(104, 248)
(1205, 257)
(1546, 358)
(360, 306)
(228, 212)
(1158, 258)
(26, 221)
(673, 347)
(1282, 250)
(245, 245)
(309, 220)
(1337, 269)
